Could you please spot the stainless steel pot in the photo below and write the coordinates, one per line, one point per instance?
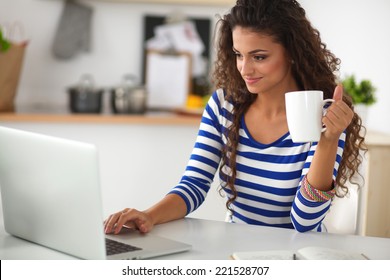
(84, 97)
(128, 98)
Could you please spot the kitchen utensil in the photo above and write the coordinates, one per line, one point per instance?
(84, 97)
(128, 98)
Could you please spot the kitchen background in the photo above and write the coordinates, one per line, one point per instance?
(355, 30)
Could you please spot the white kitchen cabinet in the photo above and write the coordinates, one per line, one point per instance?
(366, 211)
(141, 157)
(373, 216)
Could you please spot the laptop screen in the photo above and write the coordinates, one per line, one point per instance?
(51, 196)
(51, 193)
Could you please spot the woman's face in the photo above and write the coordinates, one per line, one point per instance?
(263, 64)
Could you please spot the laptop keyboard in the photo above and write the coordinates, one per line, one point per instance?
(114, 247)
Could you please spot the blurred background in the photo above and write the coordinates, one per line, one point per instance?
(355, 30)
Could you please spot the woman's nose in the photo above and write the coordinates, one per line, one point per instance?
(245, 67)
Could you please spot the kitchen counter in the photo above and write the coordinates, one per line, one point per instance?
(375, 138)
(170, 119)
(60, 115)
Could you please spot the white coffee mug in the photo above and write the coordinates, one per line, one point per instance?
(304, 111)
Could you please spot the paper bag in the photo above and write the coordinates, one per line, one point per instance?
(12, 49)
(11, 62)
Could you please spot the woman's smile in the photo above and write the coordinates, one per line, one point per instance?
(251, 81)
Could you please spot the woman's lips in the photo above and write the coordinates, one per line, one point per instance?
(251, 81)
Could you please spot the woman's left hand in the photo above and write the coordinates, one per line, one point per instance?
(338, 117)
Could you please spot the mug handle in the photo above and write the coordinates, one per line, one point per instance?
(323, 104)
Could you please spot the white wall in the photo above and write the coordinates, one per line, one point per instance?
(116, 44)
(355, 30)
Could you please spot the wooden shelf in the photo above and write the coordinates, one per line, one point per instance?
(147, 119)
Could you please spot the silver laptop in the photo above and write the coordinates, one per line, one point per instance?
(51, 196)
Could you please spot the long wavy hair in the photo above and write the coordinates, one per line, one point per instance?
(314, 67)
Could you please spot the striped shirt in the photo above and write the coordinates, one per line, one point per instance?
(268, 176)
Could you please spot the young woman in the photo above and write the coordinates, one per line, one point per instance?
(265, 49)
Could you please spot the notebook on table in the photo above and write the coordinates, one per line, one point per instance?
(51, 196)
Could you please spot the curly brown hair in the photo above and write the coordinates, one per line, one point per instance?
(314, 67)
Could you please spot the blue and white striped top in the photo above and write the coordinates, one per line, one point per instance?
(268, 176)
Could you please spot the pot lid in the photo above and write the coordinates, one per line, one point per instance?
(86, 83)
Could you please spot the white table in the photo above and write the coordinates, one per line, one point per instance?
(213, 240)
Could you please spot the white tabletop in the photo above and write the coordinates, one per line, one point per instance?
(213, 240)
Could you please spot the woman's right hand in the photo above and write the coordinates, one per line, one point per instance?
(129, 218)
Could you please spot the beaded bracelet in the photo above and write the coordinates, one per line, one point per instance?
(317, 195)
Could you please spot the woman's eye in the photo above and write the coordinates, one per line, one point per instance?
(259, 57)
(237, 55)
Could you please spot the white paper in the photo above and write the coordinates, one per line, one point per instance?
(167, 80)
(306, 253)
(181, 37)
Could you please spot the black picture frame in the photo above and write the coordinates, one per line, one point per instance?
(203, 27)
